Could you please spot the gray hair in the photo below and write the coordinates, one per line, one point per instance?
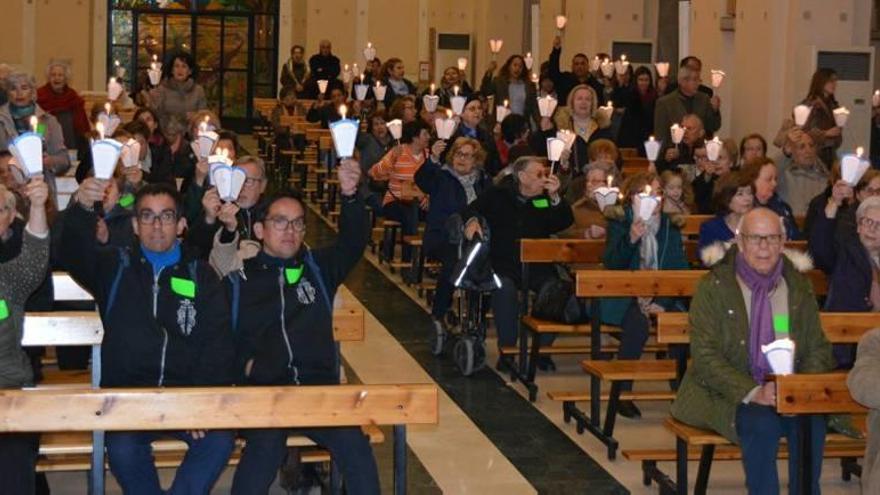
(522, 163)
(63, 63)
(870, 203)
(253, 160)
(174, 125)
(7, 198)
(22, 78)
(685, 72)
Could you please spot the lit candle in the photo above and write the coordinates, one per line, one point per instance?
(537, 81)
(610, 180)
(647, 190)
(34, 123)
(369, 45)
(203, 127)
(343, 110)
(108, 108)
(860, 151)
(116, 63)
(506, 104)
(432, 89)
(346, 68)
(377, 84)
(100, 128)
(455, 90)
(448, 113)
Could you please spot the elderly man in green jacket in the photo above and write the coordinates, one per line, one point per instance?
(752, 297)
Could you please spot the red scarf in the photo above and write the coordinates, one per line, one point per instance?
(67, 101)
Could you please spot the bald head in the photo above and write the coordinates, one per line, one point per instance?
(760, 238)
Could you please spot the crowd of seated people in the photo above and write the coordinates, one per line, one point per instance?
(164, 219)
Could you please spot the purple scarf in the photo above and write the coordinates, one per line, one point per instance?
(761, 321)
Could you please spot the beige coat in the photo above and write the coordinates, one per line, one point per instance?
(864, 385)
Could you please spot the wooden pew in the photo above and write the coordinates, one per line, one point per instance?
(85, 410)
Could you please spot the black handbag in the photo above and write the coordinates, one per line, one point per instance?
(556, 300)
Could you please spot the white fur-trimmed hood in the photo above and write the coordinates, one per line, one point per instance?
(715, 252)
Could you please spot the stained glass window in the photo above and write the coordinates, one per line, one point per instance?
(234, 43)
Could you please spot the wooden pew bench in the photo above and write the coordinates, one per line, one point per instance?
(217, 408)
(797, 394)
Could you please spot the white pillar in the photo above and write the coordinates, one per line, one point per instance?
(536, 30)
(285, 34)
(28, 36)
(684, 29)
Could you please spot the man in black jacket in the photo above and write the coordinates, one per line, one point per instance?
(580, 74)
(166, 323)
(524, 205)
(282, 307)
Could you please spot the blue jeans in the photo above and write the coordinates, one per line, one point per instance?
(759, 429)
(265, 450)
(131, 461)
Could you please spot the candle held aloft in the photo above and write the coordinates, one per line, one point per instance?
(34, 123)
(860, 151)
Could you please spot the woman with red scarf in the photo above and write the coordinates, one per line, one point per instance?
(62, 101)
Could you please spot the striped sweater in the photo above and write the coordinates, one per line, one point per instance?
(398, 167)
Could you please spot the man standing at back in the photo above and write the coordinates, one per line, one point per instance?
(166, 323)
(686, 99)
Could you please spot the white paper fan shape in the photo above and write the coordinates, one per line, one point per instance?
(344, 136)
(395, 127)
(677, 133)
(445, 127)
(621, 66)
(662, 69)
(205, 143)
(529, 60)
(841, 114)
(430, 102)
(360, 92)
(369, 52)
(114, 89)
(547, 105)
(713, 149)
(346, 75)
(717, 78)
(652, 149)
(155, 76)
(501, 112)
(229, 181)
(852, 168)
(595, 63)
(606, 196)
(131, 153)
(560, 22)
(555, 147)
(801, 114)
(27, 149)
(322, 85)
(111, 122)
(645, 205)
(105, 156)
(379, 92)
(607, 68)
(567, 137)
(780, 355)
(457, 103)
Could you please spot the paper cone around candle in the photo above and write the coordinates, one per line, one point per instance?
(360, 92)
(852, 168)
(595, 64)
(462, 63)
(560, 22)
(780, 355)
(713, 149)
(430, 102)
(662, 69)
(105, 157)
(322, 85)
(457, 103)
(645, 205)
(677, 133)
(120, 72)
(801, 114)
(346, 76)
(444, 127)
(547, 105)
(652, 149)
(205, 143)
(369, 53)
(27, 149)
(379, 92)
(567, 137)
(131, 153)
(717, 78)
(841, 114)
(555, 147)
(114, 90)
(111, 122)
(155, 76)
(501, 112)
(606, 196)
(529, 61)
(607, 69)
(395, 127)
(229, 181)
(344, 134)
(620, 67)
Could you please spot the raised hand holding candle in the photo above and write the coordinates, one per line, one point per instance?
(547, 105)
(645, 204)
(713, 148)
(853, 167)
(801, 114)
(114, 89)
(528, 60)
(369, 52)
(501, 112)
(34, 123)
(662, 69)
(322, 85)
(841, 114)
(717, 78)
(495, 46)
(561, 20)
(607, 68)
(462, 63)
(344, 132)
(536, 81)
(445, 127)
(677, 133)
(379, 91)
(652, 149)
(621, 66)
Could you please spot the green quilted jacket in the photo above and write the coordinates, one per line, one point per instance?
(718, 378)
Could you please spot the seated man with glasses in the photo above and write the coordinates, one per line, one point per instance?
(752, 297)
(166, 323)
(850, 258)
(282, 316)
(239, 213)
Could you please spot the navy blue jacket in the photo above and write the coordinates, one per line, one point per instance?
(153, 335)
(845, 262)
(447, 198)
(781, 208)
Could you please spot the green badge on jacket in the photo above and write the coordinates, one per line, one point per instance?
(780, 323)
(183, 287)
(541, 203)
(292, 275)
(4, 310)
(126, 200)
(41, 129)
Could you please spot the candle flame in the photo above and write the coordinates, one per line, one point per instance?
(651, 137)
(647, 189)
(116, 63)
(346, 68)
(432, 89)
(100, 128)
(455, 90)
(343, 110)
(155, 58)
(860, 151)
(610, 180)
(369, 45)
(506, 103)
(448, 113)
(623, 58)
(107, 108)
(34, 122)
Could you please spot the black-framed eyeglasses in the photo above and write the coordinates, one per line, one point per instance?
(281, 224)
(149, 217)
